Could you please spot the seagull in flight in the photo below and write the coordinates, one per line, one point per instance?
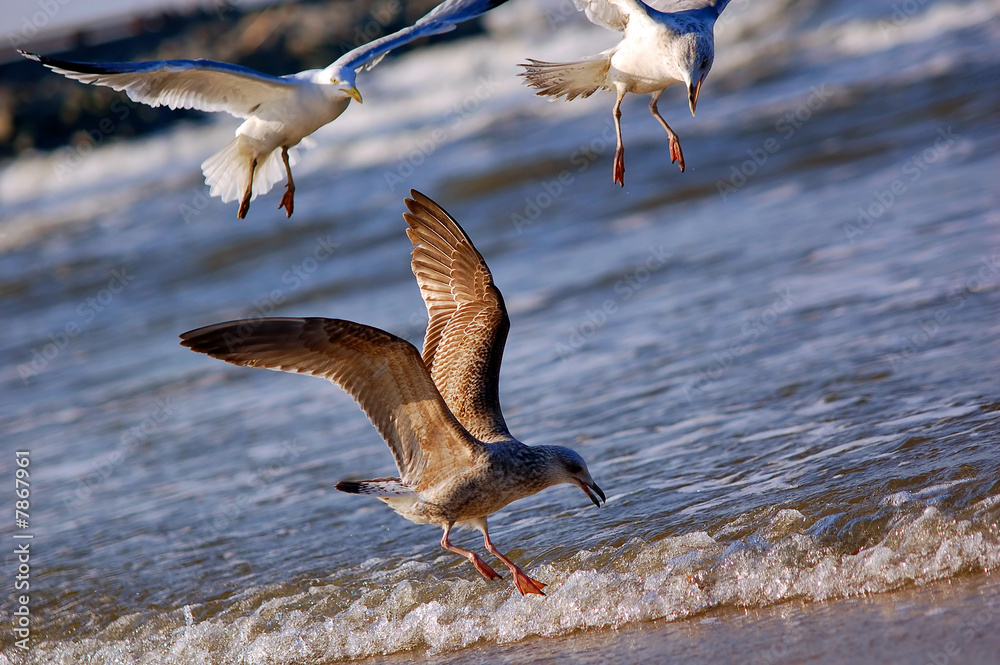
(279, 111)
(665, 42)
(440, 411)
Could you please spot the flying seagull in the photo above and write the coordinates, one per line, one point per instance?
(280, 110)
(440, 413)
(665, 42)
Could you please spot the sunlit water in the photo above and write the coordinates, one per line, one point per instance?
(781, 365)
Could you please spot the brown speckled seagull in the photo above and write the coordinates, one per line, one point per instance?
(440, 414)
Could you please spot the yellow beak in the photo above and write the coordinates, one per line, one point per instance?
(355, 94)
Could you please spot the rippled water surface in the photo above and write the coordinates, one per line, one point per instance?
(781, 366)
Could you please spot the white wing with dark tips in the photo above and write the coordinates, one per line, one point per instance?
(442, 18)
(204, 85)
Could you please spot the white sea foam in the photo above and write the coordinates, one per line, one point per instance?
(410, 607)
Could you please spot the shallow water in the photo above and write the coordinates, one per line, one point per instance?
(781, 365)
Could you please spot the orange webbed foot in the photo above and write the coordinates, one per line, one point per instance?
(676, 155)
(526, 584)
(288, 201)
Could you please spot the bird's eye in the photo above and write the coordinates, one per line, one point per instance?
(574, 468)
(703, 64)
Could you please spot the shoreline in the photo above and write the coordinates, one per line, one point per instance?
(950, 621)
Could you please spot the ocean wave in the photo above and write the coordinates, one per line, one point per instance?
(382, 609)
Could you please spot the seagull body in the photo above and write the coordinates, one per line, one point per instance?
(439, 412)
(660, 47)
(279, 111)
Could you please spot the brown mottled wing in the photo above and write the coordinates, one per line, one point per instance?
(381, 371)
(468, 323)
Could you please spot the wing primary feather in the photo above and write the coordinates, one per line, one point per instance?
(468, 322)
(443, 18)
(382, 372)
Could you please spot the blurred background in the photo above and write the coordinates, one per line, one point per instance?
(780, 365)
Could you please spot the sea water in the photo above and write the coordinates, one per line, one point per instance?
(781, 365)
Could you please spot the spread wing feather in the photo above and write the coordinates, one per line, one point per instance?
(205, 85)
(382, 372)
(614, 14)
(442, 18)
(468, 323)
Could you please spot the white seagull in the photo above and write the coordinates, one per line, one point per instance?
(439, 413)
(280, 111)
(665, 42)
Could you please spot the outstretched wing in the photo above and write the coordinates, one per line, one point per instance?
(715, 7)
(610, 14)
(614, 14)
(442, 18)
(189, 84)
(382, 372)
(468, 323)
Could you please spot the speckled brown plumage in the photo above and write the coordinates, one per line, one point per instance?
(468, 322)
(440, 412)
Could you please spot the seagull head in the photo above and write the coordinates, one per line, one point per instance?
(695, 67)
(568, 467)
(343, 78)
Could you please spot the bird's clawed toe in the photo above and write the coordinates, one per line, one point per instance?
(244, 208)
(526, 584)
(288, 201)
(676, 155)
(248, 192)
(619, 170)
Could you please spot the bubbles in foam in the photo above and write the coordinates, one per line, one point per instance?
(412, 607)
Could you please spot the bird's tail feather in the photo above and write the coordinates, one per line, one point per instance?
(567, 79)
(228, 170)
(380, 487)
(392, 491)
